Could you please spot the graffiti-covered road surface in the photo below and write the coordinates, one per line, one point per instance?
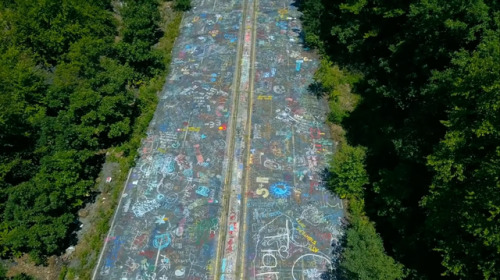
(228, 184)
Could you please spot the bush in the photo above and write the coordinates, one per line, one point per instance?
(347, 172)
(182, 5)
(364, 257)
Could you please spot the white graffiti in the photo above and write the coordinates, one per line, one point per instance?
(143, 207)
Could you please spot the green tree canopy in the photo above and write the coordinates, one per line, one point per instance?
(428, 118)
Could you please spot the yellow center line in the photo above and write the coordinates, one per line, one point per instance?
(241, 263)
(230, 149)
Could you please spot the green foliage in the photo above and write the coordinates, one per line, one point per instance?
(3, 272)
(364, 256)
(336, 84)
(466, 163)
(68, 91)
(347, 172)
(182, 5)
(428, 117)
(146, 100)
(49, 27)
(140, 31)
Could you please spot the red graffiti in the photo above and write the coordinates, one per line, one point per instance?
(139, 240)
(147, 254)
(229, 247)
(312, 185)
(199, 156)
(315, 133)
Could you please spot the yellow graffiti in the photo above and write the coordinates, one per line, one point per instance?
(213, 32)
(313, 249)
(301, 224)
(312, 245)
(287, 146)
(191, 129)
(307, 236)
(283, 12)
(210, 266)
(263, 192)
(265, 97)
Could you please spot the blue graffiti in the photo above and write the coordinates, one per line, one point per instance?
(176, 145)
(282, 25)
(280, 190)
(162, 241)
(298, 64)
(203, 191)
(214, 77)
(113, 255)
(215, 182)
(223, 266)
(188, 173)
(164, 164)
(230, 37)
(163, 127)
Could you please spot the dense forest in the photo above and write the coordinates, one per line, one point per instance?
(423, 153)
(74, 81)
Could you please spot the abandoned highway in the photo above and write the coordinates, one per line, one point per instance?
(229, 183)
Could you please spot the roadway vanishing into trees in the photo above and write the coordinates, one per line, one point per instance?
(229, 183)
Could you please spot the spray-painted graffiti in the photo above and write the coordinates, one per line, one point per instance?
(280, 220)
(170, 215)
(280, 190)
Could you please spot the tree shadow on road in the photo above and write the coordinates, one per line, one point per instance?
(316, 89)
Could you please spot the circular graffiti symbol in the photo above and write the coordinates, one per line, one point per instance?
(310, 266)
(279, 89)
(162, 241)
(280, 189)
